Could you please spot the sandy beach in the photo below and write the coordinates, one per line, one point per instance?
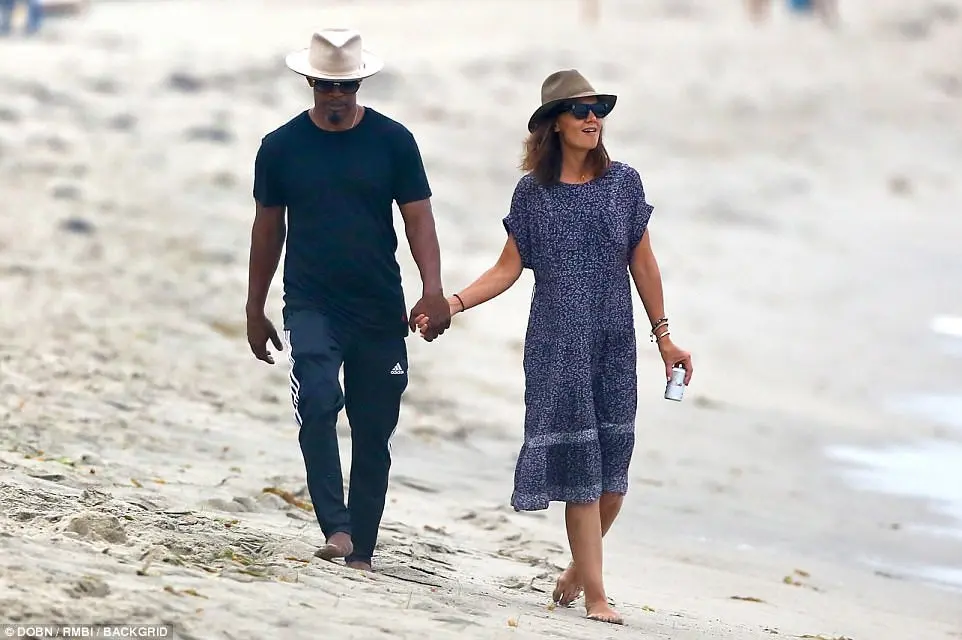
(806, 193)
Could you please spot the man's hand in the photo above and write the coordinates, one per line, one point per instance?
(438, 313)
(259, 331)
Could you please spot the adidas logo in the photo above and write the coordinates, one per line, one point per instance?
(397, 370)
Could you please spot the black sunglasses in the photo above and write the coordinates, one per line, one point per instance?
(580, 110)
(329, 86)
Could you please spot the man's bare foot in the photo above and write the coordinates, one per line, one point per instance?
(568, 588)
(602, 612)
(359, 565)
(338, 545)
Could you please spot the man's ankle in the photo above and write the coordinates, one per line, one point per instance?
(358, 558)
(339, 535)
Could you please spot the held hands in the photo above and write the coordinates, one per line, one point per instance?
(422, 322)
(431, 316)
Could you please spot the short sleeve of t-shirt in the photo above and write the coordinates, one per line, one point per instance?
(410, 179)
(516, 222)
(267, 187)
(638, 207)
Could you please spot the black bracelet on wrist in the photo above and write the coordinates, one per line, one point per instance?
(661, 322)
(463, 307)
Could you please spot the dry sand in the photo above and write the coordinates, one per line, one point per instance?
(806, 194)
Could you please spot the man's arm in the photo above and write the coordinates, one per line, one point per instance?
(423, 239)
(267, 241)
(413, 196)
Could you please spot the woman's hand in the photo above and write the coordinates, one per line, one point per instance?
(671, 354)
(454, 306)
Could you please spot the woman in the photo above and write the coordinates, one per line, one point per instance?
(579, 221)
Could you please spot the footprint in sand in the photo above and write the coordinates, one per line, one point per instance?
(89, 587)
(486, 521)
(93, 525)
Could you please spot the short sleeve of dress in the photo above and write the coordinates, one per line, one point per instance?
(517, 222)
(638, 207)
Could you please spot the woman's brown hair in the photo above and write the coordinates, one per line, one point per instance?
(542, 155)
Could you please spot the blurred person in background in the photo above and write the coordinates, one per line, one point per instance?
(336, 170)
(579, 221)
(827, 10)
(34, 16)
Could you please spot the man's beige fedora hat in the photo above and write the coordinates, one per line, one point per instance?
(335, 54)
(562, 86)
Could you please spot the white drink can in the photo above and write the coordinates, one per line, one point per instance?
(676, 385)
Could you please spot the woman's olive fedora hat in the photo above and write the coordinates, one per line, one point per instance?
(562, 86)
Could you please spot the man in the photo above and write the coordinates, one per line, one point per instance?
(336, 170)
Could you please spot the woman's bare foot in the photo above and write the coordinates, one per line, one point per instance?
(568, 587)
(338, 545)
(602, 612)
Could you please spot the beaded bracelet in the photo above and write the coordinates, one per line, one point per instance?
(657, 338)
(660, 323)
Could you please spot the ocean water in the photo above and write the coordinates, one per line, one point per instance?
(929, 470)
(950, 326)
(926, 469)
(939, 408)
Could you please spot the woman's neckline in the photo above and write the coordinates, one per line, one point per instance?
(611, 166)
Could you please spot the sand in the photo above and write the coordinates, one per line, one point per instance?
(806, 194)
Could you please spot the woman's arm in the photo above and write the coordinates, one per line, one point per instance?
(515, 256)
(492, 282)
(644, 271)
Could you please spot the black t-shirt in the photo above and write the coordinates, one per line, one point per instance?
(338, 188)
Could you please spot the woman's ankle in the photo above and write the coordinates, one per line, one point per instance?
(593, 604)
(594, 593)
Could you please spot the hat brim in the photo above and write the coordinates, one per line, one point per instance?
(545, 110)
(298, 62)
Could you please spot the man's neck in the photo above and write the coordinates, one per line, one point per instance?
(350, 120)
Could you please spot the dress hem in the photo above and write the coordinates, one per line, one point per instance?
(540, 502)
